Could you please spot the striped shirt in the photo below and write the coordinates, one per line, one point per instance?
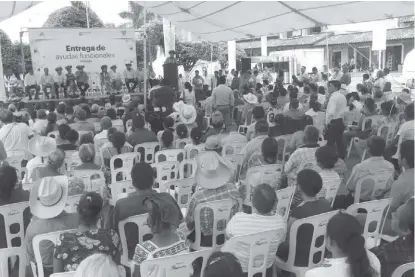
(304, 157)
(328, 176)
(244, 224)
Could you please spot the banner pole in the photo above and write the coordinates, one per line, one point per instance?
(145, 57)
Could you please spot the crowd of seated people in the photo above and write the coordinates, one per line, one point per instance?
(301, 131)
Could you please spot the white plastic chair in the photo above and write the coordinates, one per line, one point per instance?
(120, 190)
(148, 149)
(183, 189)
(52, 237)
(187, 169)
(222, 211)
(285, 198)
(143, 230)
(12, 153)
(128, 161)
(16, 162)
(64, 274)
(90, 180)
(284, 150)
(181, 143)
(72, 203)
(319, 223)
(170, 155)
(236, 162)
(318, 121)
(13, 214)
(174, 266)
(387, 132)
(259, 245)
(401, 270)
(378, 181)
(166, 171)
(193, 150)
(233, 148)
(331, 190)
(99, 159)
(11, 253)
(376, 212)
(71, 160)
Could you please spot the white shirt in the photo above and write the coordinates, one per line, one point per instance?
(189, 97)
(30, 80)
(244, 224)
(59, 78)
(340, 268)
(18, 138)
(40, 126)
(336, 107)
(287, 107)
(207, 80)
(33, 164)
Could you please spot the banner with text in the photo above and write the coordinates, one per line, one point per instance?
(89, 47)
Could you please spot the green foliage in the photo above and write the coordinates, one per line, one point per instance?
(135, 14)
(73, 16)
(11, 55)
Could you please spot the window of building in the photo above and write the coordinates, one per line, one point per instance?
(393, 57)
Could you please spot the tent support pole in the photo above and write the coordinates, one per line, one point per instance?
(145, 58)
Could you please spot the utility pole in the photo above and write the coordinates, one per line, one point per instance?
(87, 13)
(145, 57)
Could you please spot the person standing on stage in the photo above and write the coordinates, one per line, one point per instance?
(81, 78)
(130, 77)
(59, 82)
(105, 79)
(70, 80)
(115, 78)
(197, 83)
(46, 81)
(30, 82)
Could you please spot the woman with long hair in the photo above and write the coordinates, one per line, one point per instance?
(117, 145)
(347, 246)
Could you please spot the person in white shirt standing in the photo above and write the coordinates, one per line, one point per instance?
(15, 136)
(46, 81)
(223, 100)
(131, 77)
(60, 82)
(30, 82)
(336, 107)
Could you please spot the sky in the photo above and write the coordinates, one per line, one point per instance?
(108, 12)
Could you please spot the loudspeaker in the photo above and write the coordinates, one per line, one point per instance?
(246, 64)
(171, 74)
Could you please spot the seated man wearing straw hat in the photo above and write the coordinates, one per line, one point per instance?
(47, 204)
(212, 178)
(81, 78)
(59, 82)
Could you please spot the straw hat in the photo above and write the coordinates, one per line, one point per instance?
(251, 98)
(48, 196)
(42, 146)
(126, 98)
(212, 171)
(188, 114)
(80, 66)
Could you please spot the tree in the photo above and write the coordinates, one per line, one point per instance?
(11, 54)
(73, 16)
(135, 14)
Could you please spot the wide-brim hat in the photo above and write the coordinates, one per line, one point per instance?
(58, 68)
(68, 67)
(212, 171)
(42, 146)
(104, 66)
(251, 98)
(48, 196)
(113, 66)
(126, 98)
(80, 66)
(188, 114)
(177, 106)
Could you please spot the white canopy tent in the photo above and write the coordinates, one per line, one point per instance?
(226, 21)
(7, 10)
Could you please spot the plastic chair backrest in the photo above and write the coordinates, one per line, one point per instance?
(72, 203)
(71, 160)
(376, 210)
(81, 133)
(187, 169)
(183, 189)
(259, 245)
(371, 122)
(17, 162)
(174, 266)
(319, 223)
(236, 161)
(261, 174)
(53, 237)
(284, 151)
(319, 121)
(143, 230)
(64, 274)
(378, 181)
(170, 155)
(121, 189)
(221, 212)
(233, 148)
(12, 153)
(193, 150)
(387, 131)
(128, 160)
(402, 269)
(181, 143)
(331, 190)
(90, 180)
(148, 150)
(166, 171)
(8, 253)
(285, 197)
(13, 214)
